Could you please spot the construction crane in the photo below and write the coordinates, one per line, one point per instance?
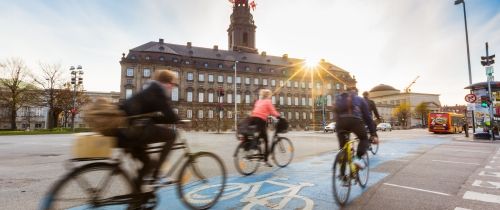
(407, 89)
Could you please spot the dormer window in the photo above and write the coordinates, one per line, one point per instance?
(205, 65)
(161, 48)
(259, 69)
(132, 57)
(247, 68)
(162, 58)
(147, 58)
(175, 60)
(220, 65)
(186, 62)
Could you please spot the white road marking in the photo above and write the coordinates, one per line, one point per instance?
(482, 197)
(412, 188)
(459, 208)
(445, 161)
(461, 150)
(488, 173)
(400, 160)
(486, 184)
(492, 167)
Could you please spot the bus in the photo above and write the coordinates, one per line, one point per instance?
(445, 122)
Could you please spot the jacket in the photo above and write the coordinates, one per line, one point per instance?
(359, 109)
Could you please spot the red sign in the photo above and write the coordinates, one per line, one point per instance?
(471, 98)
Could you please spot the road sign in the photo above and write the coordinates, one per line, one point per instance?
(471, 98)
(471, 107)
(489, 70)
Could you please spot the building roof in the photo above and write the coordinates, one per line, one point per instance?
(383, 87)
(219, 54)
(495, 85)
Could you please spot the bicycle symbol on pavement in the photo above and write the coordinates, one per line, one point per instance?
(278, 199)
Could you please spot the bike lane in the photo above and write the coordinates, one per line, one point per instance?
(301, 185)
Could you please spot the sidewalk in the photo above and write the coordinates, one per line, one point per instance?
(471, 139)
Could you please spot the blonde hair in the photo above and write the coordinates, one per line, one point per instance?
(265, 93)
(165, 76)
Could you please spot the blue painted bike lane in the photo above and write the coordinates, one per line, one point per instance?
(301, 185)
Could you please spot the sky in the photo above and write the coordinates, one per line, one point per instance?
(379, 42)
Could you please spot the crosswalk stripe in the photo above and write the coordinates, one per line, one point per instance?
(470, 195)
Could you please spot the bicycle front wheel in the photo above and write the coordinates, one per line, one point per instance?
(374, 148)
(282, 151)
(88, 186)
(201, 180)
(341, 178)
(247, 157)
(363, 174)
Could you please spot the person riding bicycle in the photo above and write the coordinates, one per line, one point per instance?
(154, 98)
(371, 106)
(352, 114)
(261, 110)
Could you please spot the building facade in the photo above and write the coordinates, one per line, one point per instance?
(212, 80)
(388, 99)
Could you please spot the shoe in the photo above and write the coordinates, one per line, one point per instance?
(359, 163)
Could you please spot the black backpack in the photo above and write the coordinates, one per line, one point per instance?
(282, 125)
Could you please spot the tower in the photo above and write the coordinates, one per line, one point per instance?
(241, 31)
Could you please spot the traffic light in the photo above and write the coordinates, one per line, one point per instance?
(487, 60)
(485, 101)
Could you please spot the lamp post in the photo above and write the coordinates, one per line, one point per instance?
(76, 80)
(235, 102)
(457, 2)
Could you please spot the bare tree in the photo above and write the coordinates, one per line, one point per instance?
(50, 81)
(18, 90)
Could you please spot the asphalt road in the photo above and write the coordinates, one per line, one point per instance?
(413, 170)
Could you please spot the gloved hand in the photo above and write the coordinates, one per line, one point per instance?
(374, 139)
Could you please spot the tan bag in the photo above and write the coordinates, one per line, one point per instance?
(93, 146)
(103, 116)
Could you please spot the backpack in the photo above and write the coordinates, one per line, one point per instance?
(104, 117)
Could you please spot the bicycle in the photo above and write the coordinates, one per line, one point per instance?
(345, 172)
(248, 154)
(199, 168)
(373, 148)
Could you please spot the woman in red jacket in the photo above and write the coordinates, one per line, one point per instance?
(261, 110)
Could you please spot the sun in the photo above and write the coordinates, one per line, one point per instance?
(311, 63)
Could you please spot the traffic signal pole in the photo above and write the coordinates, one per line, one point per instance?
(489, 78)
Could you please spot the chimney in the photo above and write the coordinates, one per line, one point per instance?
(285, 56)
(263, 53)
(189, 45)
(216, 47)
(161, 41)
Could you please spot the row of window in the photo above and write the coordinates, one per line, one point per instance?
(200, 114)
(248, 80)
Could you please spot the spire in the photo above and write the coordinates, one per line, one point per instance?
(241, 31)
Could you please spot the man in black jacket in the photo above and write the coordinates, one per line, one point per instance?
(154, 98)
(371, 106)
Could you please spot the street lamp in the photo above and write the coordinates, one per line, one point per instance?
(235, 102)
(76, 80)
(457, 2)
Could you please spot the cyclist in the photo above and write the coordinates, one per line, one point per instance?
(371, 105)
(352, 114)
(261, 110)
(154, 98)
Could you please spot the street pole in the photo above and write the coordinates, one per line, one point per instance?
(76, 80)
(235, 102)
(468, 60)
(490, 108)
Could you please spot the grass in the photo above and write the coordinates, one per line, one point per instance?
(44, 131)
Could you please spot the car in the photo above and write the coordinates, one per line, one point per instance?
(330, 127)
(384, 127)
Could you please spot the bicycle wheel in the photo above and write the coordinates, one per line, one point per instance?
(282, 150)
(373, 148)
(247, 157)
(203, 170)
(87, 186)
(362, 175)
(341, 179)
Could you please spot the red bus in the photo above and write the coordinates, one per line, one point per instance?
(445, 122)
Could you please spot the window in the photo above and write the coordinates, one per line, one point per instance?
(230, 98)
(162, 58)
(304, 101)
(210, 97)
(310, 101)
(247, 81)
(289, 100)
(200, 114)
(311, 115)
(201, 96)
(264, 82)
(296, 101)
(295, 84)
(329, 86)
(176, 111)
(273, 98)
(247, 68)
(259, 69)
(189, 96)
(175, 60)
(256, 81)
(318, 85)
(337, 86)
(247, 98)
(310, 84)
(210, 113)
(201, 77)
(190, 76)
(128, 93)
(297, 115)
(273, 82)
(345, 87)
(229, 79)
(148, 58)
(130, 72)
(282, 100)
(220, 65)
(205, 65)
(281, 83)
(238, 80)
(189, 113)
(210, 78)
(147, 72)
(130, 81)
(303, 85)
(187, 62)
(220, 78)
(229, 114)
(175, 94)
(238, 98)
(289, 115)
(221, 114)
(304, 115)
(288, 83)
(329, 100)
(331, 115)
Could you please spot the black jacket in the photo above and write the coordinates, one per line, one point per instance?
(372, 107)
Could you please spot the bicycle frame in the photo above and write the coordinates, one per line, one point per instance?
(348, 149)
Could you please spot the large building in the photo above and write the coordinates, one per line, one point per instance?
(388, 98)
(238, 73)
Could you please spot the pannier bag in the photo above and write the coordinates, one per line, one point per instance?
(247, 130)
(282, 125)
(93, 146)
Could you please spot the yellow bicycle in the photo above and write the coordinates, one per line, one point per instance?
(345, 173)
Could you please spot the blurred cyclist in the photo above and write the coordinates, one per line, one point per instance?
(352, 114)
(261, 110)
(371, 106)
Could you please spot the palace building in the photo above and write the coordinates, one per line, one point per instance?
(212, 80)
